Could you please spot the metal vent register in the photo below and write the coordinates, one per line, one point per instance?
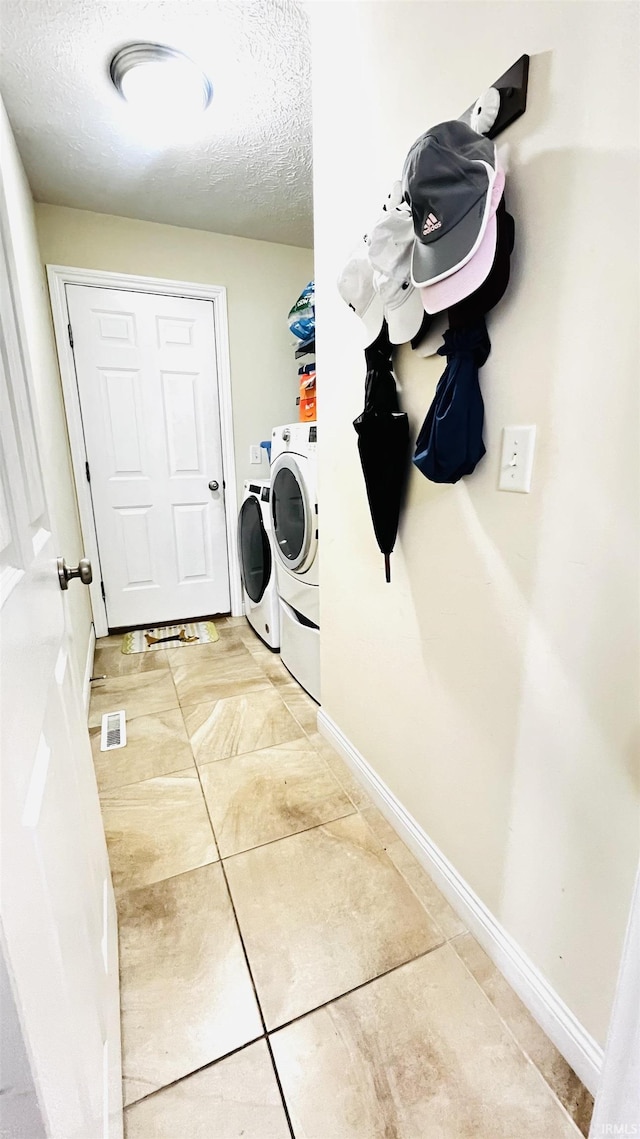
(114, 731)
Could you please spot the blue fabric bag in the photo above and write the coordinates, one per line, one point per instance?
(450, 444)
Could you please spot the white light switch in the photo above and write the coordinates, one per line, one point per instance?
(255, 456)
(516, 464)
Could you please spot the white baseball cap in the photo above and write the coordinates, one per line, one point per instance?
(390, 247)
(402, 307)
(356, 287)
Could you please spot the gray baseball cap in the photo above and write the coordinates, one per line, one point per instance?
(447, 180)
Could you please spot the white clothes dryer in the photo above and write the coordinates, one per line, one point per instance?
(257, 563)
(294, 518)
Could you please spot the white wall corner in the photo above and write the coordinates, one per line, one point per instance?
(88, 669)
(571, 1039)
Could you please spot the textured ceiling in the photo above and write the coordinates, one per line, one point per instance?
(246, 171)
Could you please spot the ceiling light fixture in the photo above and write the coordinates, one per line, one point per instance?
(164, 84)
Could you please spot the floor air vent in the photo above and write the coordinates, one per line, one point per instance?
(114, 731)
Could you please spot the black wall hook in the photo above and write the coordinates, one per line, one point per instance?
(513, 97)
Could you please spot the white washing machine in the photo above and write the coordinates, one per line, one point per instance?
(257, 563)
(294, 519)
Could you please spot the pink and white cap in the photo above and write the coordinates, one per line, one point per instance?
(450, 290)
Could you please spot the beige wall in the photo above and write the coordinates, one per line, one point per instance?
(49, 408)
(494, 684)
(262, 279)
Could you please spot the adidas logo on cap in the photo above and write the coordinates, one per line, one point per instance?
(431, 223)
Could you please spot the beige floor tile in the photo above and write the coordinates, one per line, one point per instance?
(186, 994)
(156, 829)
(228, 642)
(113, 640)
(238, 725)
(231, 673)
(426, 890)
(237, 1098)
(156, 745)
(561, 1078)
(422, 885)
(273, 667)
(321, 912)
(228, 632)
(141, 694)
(236, 622)
(301, 706)
(257, 648)
(110, 659)
(427, 1057)
(250, 638)
(354, 789)
(268, 794)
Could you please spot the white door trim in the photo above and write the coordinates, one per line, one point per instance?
(88, 670)
(61, 275)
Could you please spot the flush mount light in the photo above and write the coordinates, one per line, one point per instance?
(160, 81)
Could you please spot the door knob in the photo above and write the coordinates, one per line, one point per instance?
(213, 485)
(83, 571)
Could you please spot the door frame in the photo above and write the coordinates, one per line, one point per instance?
(60, 275)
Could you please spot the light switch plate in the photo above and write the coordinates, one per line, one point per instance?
(516, 463)
(255, 456)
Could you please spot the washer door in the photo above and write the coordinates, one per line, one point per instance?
(254, 550)
(293, 522)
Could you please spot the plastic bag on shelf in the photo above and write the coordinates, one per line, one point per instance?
(302, 316)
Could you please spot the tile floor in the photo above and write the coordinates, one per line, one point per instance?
(287, 967)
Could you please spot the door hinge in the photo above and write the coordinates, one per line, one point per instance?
(87, 471)
(104, 596)
(70, 334)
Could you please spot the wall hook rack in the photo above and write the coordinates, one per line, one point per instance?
(512, 88)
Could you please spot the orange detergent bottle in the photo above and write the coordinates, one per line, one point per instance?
(307, 400)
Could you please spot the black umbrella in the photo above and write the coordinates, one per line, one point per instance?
(449, 444)
(383, 443)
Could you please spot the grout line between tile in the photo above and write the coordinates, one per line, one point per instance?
(282, 837)
(521, 1048)
(280, 1088)
(204, 797)
(225, 858)
(141, 715)
(413, 889)
(195, 1071)
(147, 779)
(315, 748)
(236, 755)
(216, 700)
(248, 964)
(337, 778)
(120, 892)
(134, 782)
(356, 988)
(253, 751)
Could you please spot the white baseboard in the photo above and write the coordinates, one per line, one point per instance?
(88, 669)
(577, 1046)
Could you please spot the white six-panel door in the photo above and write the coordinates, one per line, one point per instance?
(57, 911)
(146, 372)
